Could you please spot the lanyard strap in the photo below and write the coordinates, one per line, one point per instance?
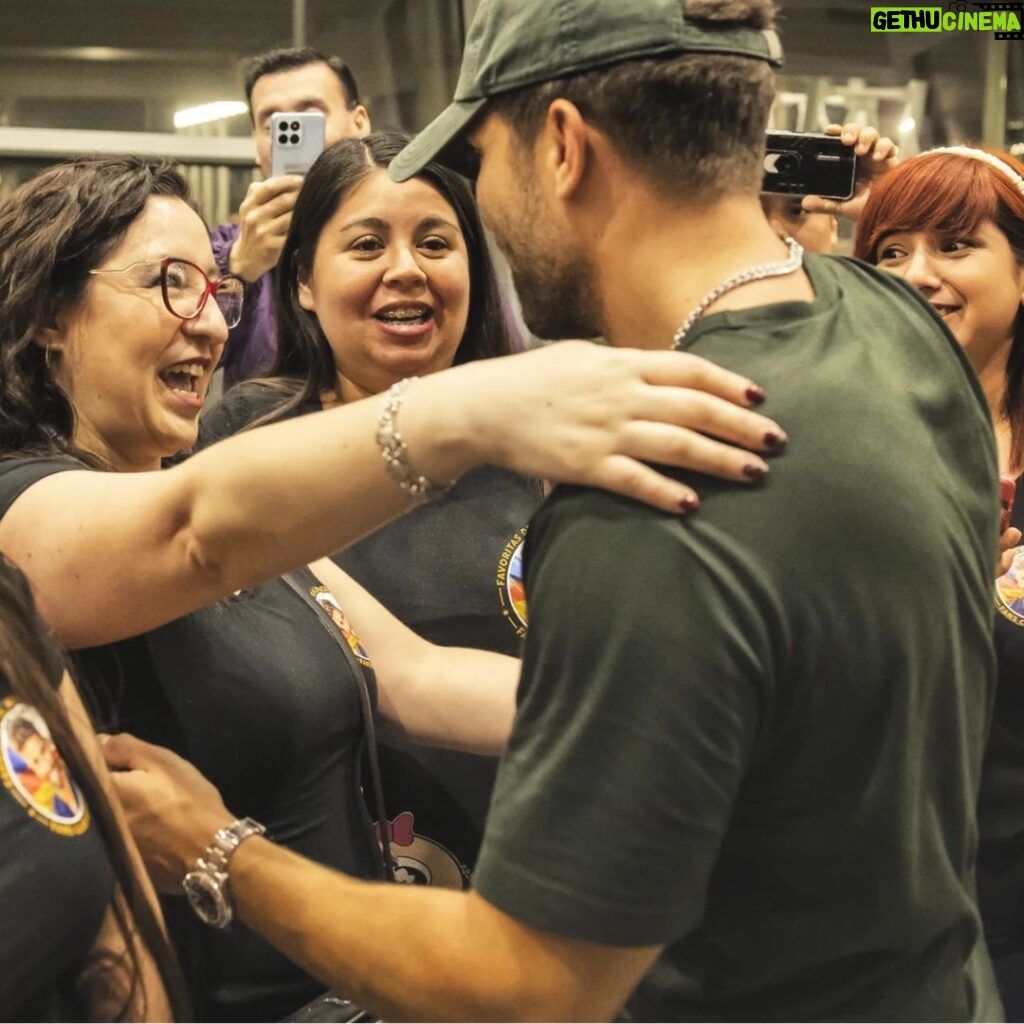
(369, 731)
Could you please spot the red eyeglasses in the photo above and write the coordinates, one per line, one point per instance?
(185, 288)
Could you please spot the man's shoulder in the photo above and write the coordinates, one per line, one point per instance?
(603, 540)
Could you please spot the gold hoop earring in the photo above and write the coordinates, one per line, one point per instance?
(48, 359)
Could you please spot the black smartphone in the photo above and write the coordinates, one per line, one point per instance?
(808, 164)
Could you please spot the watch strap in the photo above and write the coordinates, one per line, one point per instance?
(206, 885)
(228, 839)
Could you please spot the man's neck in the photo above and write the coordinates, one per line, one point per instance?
(656, 261)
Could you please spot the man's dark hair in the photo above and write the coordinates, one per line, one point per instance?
(692, 123)
(298, 57)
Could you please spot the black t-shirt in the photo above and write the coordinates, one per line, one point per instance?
(451, 571)
(754, 735)
(55, 878)
(1001, 807)
(256, 693)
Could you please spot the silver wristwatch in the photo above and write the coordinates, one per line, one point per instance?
(206, 885)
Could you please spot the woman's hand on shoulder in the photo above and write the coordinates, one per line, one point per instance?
(875, 153)
(578, 412)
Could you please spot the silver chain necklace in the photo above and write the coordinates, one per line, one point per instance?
(756, 273)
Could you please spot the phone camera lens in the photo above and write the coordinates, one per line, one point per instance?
(295, 140)
(787, 163)
(295, 126)
(283, 139)
(283, 126)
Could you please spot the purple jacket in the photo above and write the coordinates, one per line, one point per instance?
(251, 345)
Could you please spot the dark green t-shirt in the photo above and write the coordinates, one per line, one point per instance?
(754, 734)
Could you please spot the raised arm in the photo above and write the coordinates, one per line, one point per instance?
(111, 555)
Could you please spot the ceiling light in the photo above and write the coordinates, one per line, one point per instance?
(208, 112)
(907, 125)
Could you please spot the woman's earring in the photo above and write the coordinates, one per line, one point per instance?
(48, 359)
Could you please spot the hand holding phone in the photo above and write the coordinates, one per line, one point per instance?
(874, 153)
(296, 140)
(808, 164)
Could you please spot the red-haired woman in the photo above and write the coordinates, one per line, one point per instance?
(951, 223)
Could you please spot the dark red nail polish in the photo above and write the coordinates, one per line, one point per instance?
(755, 394)
(754, 471)
(690, 503)
(773, 439)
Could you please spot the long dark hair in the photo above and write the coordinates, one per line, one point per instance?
(54, 230)
(32, 664)
(305, 363)
(943, 191)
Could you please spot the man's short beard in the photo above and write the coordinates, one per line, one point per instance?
(559, 300)
(555, 283)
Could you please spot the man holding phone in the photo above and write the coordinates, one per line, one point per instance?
(285, 80)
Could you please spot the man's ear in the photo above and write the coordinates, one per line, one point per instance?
(570, 151)
(361, 119)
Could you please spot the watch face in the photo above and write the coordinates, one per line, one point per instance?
(207, 899)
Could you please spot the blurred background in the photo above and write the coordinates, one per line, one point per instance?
(110, 75)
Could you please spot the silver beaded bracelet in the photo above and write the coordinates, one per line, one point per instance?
(394, 451)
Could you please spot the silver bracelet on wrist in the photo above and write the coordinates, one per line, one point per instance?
(394, 451)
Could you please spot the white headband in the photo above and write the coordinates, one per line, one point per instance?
(986, 158)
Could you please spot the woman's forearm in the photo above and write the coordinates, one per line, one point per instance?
(150, 547)
(454, 697)
(262, 502)
(460, 698)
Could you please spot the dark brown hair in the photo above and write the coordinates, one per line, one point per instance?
(298, 57)
(32, 666)
(55, 229)
(690, 125)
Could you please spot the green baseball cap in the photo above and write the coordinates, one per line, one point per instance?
(512, 44)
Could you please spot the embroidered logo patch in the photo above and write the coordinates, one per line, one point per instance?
(34, 772)
(329, 603)
(509, 581)
(1010, 591)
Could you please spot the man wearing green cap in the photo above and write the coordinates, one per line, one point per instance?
(740, 784)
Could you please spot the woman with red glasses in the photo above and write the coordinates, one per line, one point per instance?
(167, 583)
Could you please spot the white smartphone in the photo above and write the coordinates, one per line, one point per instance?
(296, 140)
